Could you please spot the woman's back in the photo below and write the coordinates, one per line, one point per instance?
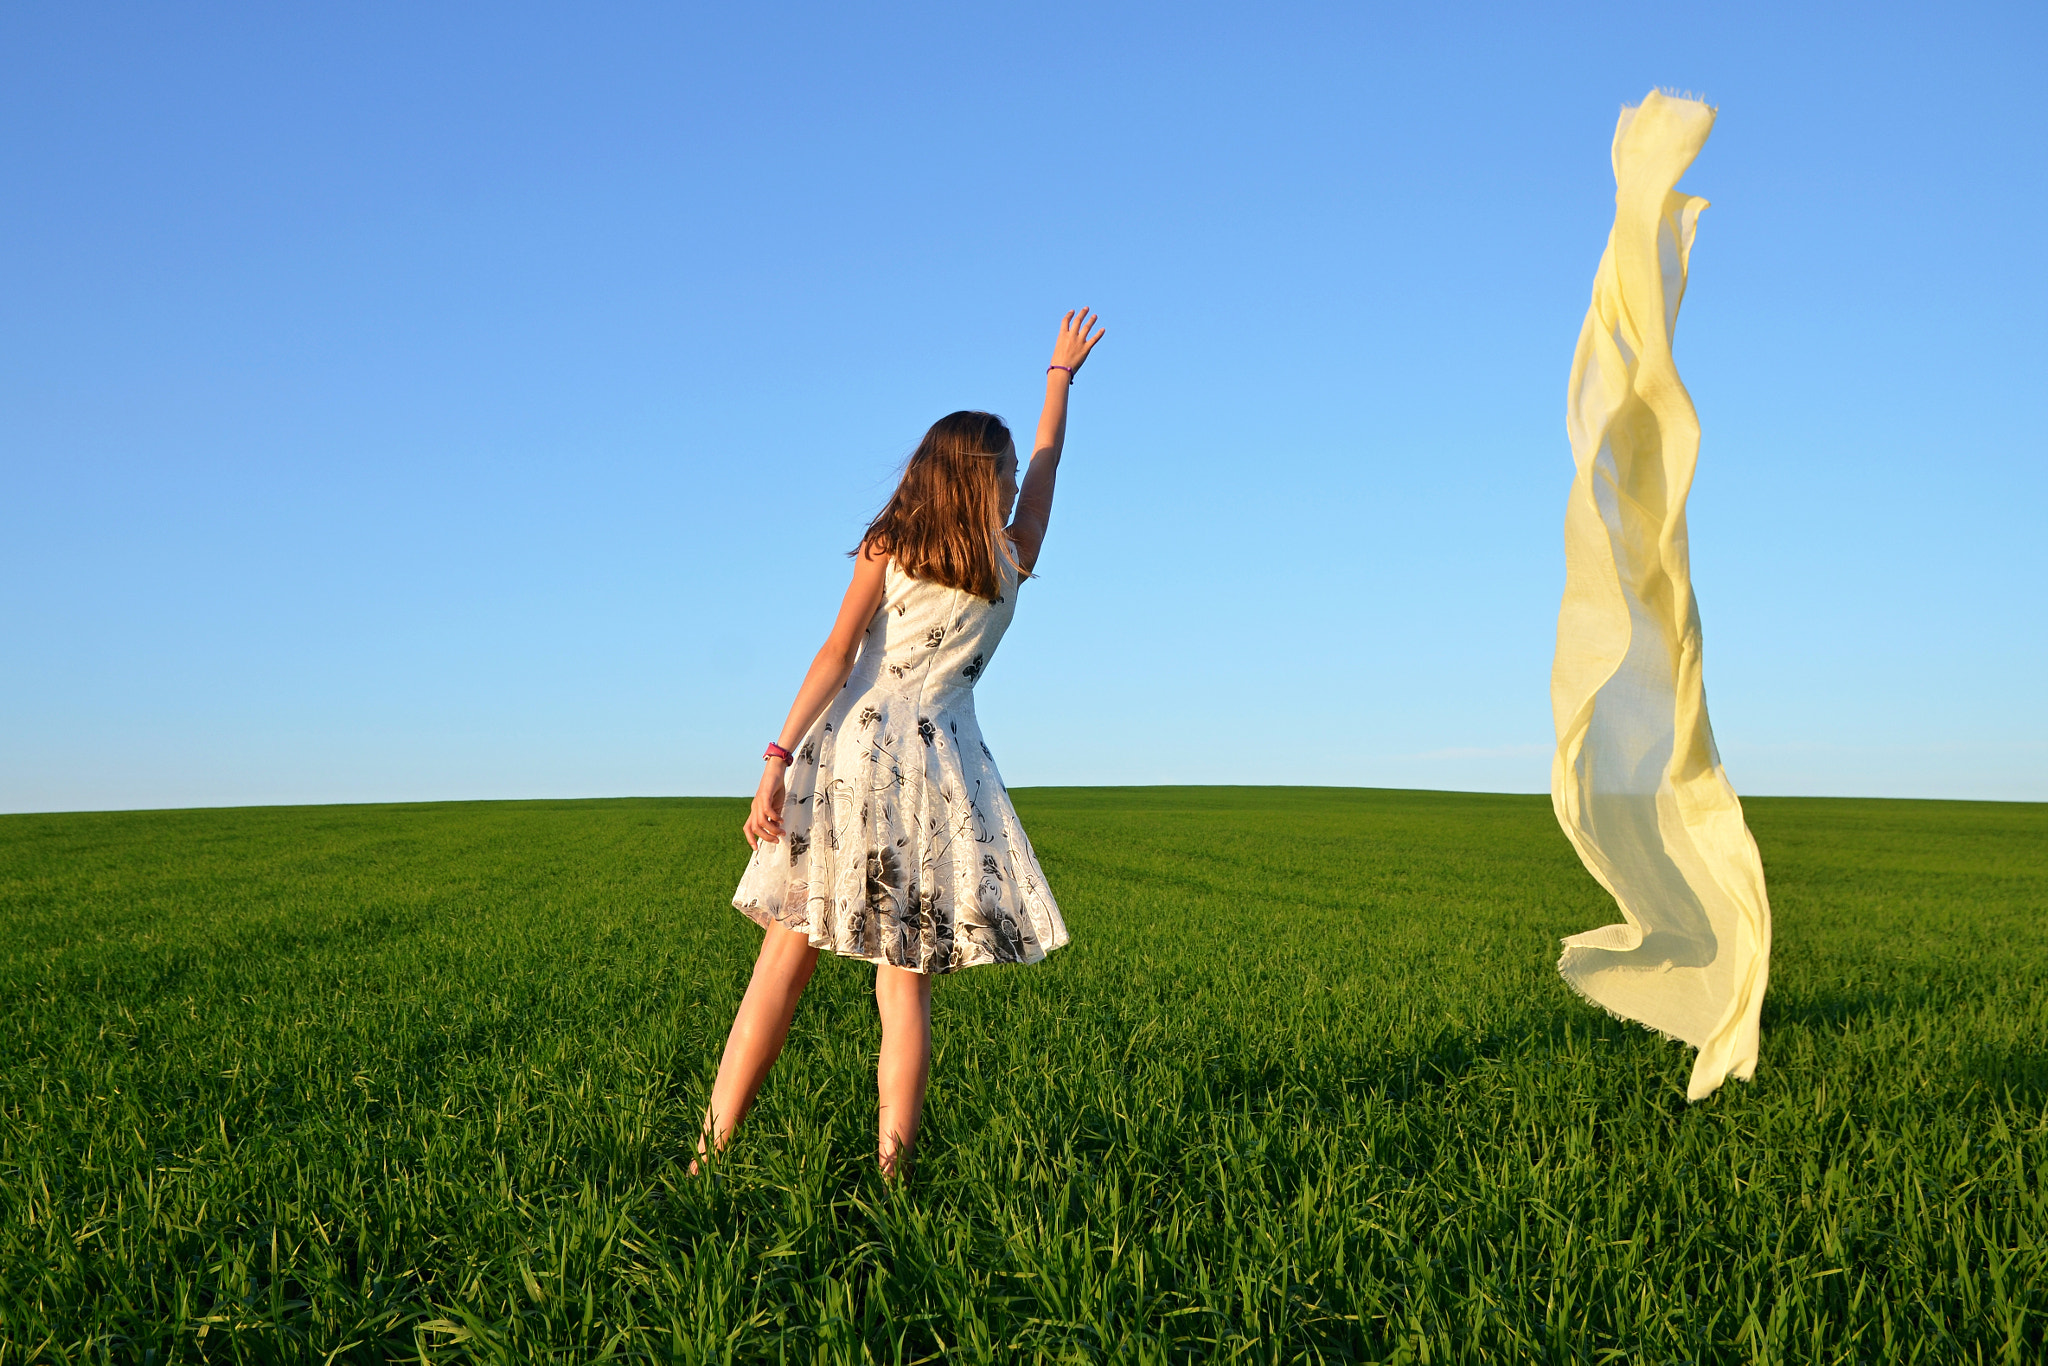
(931, 639)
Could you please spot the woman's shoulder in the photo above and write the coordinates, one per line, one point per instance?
(876, 554)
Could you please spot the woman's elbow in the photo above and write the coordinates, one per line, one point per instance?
(837, 660)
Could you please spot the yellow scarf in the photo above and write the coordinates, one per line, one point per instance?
(1636, 781)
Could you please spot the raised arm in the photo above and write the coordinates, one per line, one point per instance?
(1079, 331)
(827, 675)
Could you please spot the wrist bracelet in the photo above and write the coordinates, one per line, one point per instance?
(775, 751)
(1071, 370)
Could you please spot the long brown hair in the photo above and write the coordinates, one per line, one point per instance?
(943, 523)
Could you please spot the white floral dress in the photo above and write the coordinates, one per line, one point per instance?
(901, 845)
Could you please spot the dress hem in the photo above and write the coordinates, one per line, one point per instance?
(764, 919)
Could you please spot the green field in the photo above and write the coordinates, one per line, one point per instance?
(416, 1082)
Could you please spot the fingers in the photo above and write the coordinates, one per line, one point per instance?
(1080, 329)
(762, 829)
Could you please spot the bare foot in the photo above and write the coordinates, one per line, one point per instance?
(895, 1164)
(704, 1151)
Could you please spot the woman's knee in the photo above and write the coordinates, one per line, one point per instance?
(901, 988)
(787, 955)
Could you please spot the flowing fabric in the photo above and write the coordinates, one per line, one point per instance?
(1636, 780)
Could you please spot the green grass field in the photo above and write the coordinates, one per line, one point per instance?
(416, 1083)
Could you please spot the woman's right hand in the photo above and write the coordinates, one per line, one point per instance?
(764, 822)
(1070, 351)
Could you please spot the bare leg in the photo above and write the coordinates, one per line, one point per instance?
(758, 1031)
(905, 998)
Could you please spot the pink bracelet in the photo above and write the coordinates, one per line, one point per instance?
(1071, 371)
(776, 751)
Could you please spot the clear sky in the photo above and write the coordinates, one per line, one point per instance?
(436, 401)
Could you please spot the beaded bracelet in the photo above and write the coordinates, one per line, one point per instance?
(1072, 371)
(775, 751)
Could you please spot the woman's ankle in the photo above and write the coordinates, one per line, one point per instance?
(895, 1160)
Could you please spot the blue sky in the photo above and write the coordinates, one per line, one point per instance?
(417, 402)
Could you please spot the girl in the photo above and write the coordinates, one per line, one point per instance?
(881, 830)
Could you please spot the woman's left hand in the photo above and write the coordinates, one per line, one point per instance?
(764, 822)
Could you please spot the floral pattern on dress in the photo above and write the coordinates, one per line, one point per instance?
(902, 846)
